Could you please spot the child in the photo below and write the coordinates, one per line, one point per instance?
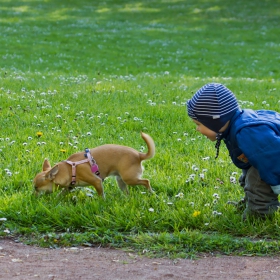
(252, 139)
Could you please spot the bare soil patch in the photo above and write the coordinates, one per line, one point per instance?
(19, 261)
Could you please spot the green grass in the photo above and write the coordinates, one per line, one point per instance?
(87, 73)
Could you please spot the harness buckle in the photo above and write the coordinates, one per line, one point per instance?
(86, 152)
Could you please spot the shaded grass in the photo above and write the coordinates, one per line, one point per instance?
(205, 38)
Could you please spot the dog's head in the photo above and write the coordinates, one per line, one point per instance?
(44, 181)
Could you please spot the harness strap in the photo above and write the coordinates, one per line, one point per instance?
(74, 164)
(94, 166)
(92, 162)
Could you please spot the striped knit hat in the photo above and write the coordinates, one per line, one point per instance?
(212, 105)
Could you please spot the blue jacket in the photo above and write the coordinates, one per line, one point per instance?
(253, 139)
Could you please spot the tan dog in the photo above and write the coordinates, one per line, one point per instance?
(90, 168)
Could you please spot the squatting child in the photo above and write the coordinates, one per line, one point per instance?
(252, 139)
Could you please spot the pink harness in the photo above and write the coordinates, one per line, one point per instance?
(92, 162)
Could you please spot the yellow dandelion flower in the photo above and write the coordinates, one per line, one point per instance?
(63, 150)
(196, 213)
(39, 133)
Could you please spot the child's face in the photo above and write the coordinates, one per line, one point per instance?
(210, 134)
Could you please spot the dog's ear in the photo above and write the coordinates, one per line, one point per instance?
(46, 165)
(51, 174)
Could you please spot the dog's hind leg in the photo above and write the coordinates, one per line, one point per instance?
(145, 183)
(122, 184)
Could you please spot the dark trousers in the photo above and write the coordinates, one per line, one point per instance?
(259, 197)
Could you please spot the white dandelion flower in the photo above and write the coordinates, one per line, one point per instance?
(232, 179)
(192, 176)
(216, 195)
(194, 167)
(180, 195)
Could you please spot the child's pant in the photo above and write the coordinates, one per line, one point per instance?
(260, 199)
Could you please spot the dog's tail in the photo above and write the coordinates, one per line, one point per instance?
(151, 147)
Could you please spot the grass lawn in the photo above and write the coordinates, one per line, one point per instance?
(77, 74)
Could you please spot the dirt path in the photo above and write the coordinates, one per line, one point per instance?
(22, 262)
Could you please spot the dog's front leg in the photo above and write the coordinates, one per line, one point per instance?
(97, 184)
